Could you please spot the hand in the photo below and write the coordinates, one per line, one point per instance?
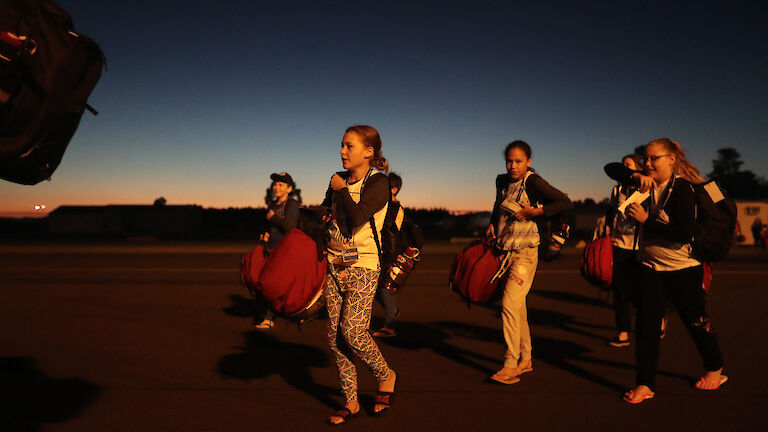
(326, 214)
(490, 233)
(637, 212)
(264, 237)
(645, 182)
(527, 212)
(270, 213)
(338, 183)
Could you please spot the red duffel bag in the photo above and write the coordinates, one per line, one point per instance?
(291, 282)
(477, 271)
(597, 262)
(250, 267)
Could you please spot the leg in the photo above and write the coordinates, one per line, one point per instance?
(652, 290)
(514, 315)
(334, 302)
(624, 279)
(690, 301)
(388, 300)
(356, 318)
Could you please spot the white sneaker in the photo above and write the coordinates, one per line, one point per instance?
(266, 324)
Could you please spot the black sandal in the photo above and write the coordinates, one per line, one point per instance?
(345, 415)
(383, 398)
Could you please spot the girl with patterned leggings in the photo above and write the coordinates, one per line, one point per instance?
(358, 197)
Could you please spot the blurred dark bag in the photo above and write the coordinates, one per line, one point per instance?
(47, 72)
(399, 248)
(291, 280)
(251, 265)
(477, 272)
(597, 262)
(715, 222)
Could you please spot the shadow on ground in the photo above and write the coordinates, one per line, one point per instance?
(264, 355)
(29, 399)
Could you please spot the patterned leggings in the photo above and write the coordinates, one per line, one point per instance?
(349, 293)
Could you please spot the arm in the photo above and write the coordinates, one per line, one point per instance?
(497, 203)
(288, 222)
(375, 195)
(626, 176)
(682, 217)
(613, 208)
(555, 202)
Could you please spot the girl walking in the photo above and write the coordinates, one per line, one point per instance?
(522, 199)
(358, 197)
(668, 268)
(282, 216)
(624, 240)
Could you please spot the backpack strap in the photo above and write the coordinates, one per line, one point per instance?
(371, 221)
(375, 235)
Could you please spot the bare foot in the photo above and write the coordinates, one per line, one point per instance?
(352, 406)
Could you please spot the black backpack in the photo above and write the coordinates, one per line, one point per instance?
(394, 238)
(47, 71)
(715, 222)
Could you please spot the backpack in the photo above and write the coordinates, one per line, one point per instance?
(597, 262)
(477, 271)
(291, 281)
(399, 248)
(715, 222)
(47, 72)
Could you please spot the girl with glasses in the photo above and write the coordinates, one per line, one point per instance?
(668, 268)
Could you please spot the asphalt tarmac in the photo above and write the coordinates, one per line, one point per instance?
(157, 337)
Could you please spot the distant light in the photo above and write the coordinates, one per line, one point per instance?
(40, 207)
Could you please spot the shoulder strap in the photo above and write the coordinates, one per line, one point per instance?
(372, 221)
(531, 196)
(375, 235)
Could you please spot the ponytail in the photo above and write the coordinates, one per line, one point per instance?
(370, 137)
(683, 167)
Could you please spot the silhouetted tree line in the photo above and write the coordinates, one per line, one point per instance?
(726, 170)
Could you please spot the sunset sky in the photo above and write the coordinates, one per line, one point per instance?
(203, 100)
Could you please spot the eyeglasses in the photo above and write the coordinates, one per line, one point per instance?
(655, 158)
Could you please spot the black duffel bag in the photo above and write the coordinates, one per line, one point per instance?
(47, 72)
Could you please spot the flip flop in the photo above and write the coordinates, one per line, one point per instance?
(631, 397)
(504, 379)
(345, 415)
(528, 368)
(711, 384)
(384, 332)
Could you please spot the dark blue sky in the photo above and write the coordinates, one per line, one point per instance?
(203, 100)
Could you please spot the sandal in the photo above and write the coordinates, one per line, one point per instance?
(524, 369)
(704, 384)
(502, 378)
(634, 398)
(266, 324)
(618, 343)
(384, 332)
(345, 415)
(383, 398)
